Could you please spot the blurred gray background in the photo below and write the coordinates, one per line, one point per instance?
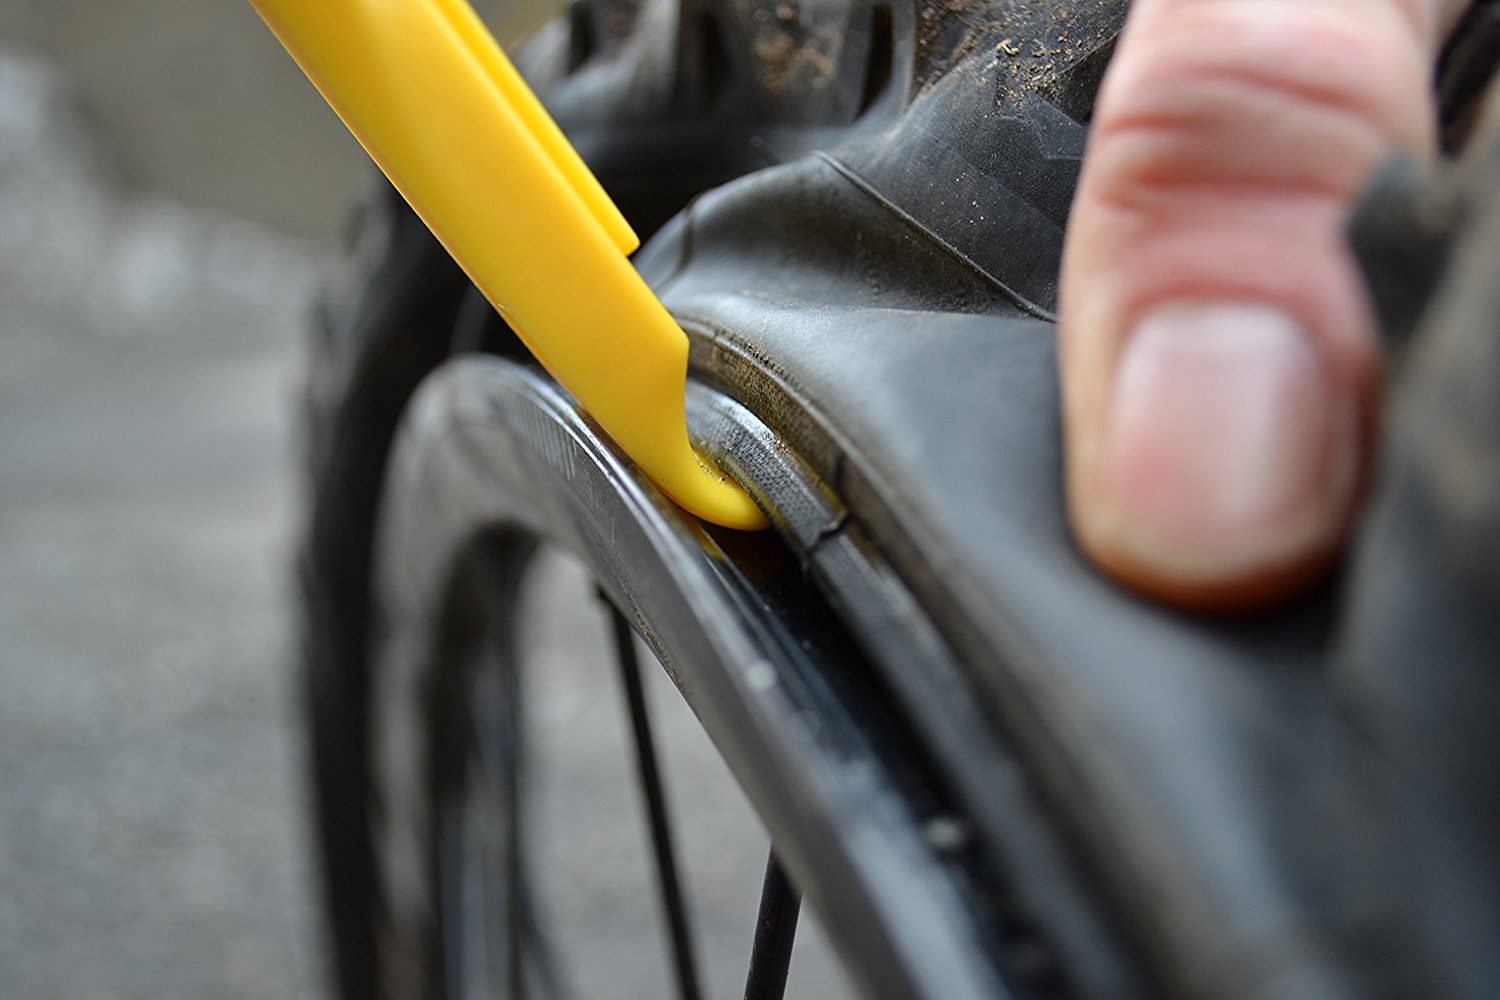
(170, 189)
(194, 99)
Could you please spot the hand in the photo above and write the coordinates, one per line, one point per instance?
(1219, 363)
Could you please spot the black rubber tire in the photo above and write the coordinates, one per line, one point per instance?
(396, 314)
(383, 324)
(392, 321)
(451, 546)
(365, 373)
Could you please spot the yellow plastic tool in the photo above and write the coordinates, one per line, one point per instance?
(435, 102)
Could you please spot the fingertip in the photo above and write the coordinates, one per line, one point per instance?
(1217, 350)
(1226, 467)
(1254, 591)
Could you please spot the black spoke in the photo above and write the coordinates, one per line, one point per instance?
(775, 931)
(656, 808)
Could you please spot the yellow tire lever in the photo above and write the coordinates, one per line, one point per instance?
(435, 102)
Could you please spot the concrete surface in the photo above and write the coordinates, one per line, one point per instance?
(150, 809)
(195, 99)
(152, 812)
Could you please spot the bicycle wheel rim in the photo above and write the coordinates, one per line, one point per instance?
(866, 833)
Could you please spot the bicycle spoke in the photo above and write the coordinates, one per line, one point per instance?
(775, 932)
(656, 809)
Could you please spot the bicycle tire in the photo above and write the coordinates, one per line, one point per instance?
(1087, 763)
(709, 130)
